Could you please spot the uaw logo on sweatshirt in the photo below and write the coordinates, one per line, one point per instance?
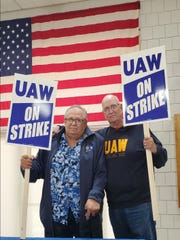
(115, 147)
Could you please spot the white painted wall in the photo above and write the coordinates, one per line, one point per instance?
(159, 25)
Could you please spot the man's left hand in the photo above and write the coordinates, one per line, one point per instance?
(91, 207)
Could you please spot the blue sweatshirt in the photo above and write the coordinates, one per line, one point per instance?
(127, 174)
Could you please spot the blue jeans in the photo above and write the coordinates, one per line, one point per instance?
(135, 222)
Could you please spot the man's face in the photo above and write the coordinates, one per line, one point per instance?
(75, 123)
(112, 110)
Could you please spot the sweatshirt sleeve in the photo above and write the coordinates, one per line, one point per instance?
(100, 178)
(160, 158)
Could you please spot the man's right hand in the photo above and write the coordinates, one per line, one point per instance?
(26, 161)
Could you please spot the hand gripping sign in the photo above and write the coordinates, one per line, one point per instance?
(30, 121)
(145, 97)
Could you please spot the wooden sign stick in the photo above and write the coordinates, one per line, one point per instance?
(25, 201)
(151, 176)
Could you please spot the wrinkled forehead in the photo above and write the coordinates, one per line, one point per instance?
(75, 113)
(109, 101)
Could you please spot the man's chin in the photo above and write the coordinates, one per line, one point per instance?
(112, 119)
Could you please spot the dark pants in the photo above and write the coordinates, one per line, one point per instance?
(69, 230)
(86, 229)
(135, 222)
(92, 228)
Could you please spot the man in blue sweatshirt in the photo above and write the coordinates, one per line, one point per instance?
(127, 189)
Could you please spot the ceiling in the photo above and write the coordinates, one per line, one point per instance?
(8, 6)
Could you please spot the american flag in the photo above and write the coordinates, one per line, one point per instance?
(80, 49)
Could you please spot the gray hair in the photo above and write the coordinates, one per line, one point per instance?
(79, 107)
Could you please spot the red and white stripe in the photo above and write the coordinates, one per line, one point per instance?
(81, 50)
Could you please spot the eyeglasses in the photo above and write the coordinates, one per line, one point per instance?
(77, 121)
(112, 107)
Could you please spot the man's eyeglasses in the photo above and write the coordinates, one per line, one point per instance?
(112, 107)
(77, 121)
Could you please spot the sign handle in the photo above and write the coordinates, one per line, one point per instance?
(151, 175)
(25, 201)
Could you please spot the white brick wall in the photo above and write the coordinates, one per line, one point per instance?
(160, 25)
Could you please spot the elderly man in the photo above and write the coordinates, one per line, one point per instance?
(127, 189)
(74, 176)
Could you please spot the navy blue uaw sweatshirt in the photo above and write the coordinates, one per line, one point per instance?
(128, 183)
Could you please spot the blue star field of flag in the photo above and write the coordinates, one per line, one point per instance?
(15, 47)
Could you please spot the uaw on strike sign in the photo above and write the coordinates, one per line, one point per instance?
(32, 107)
(145, 92)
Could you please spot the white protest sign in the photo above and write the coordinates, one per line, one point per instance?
(32, 108)
(145, 91)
